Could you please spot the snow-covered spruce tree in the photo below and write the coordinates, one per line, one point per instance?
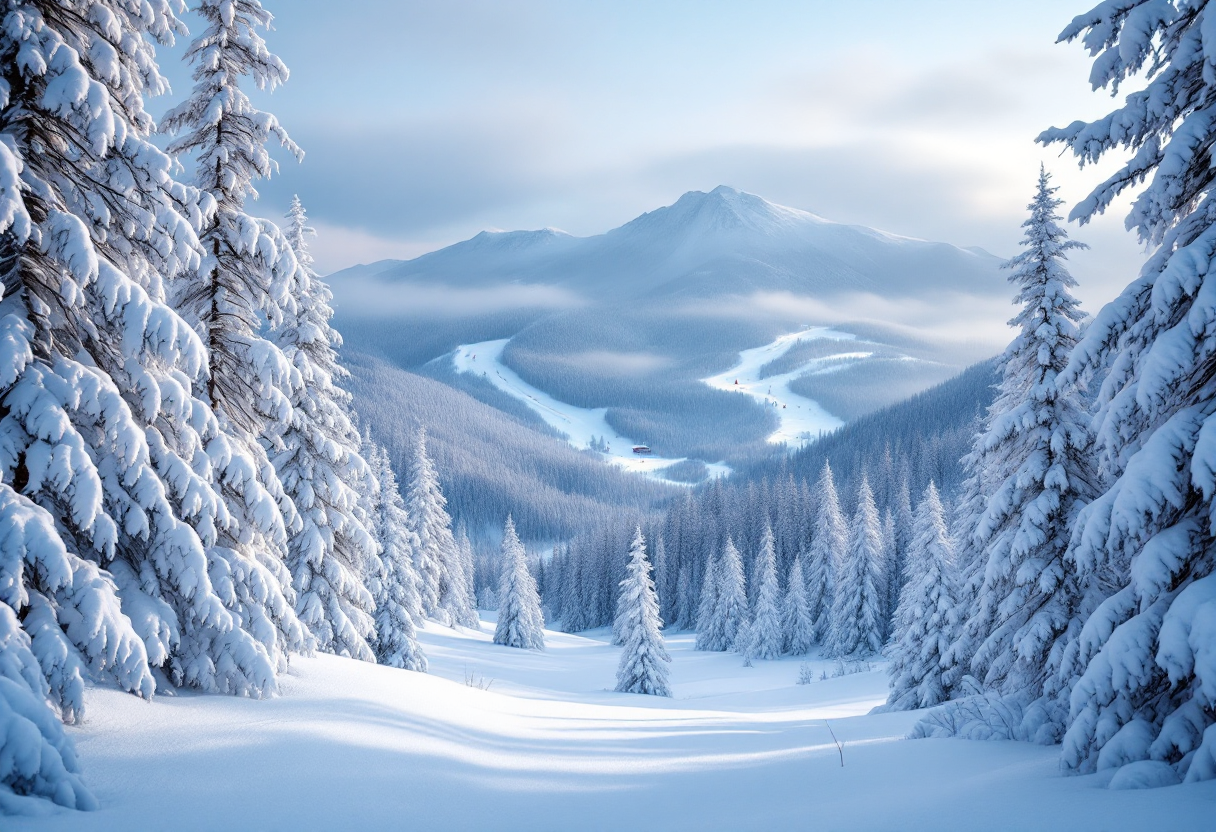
(437, 560)
(767, 633)
(857, 605)
(1148, 688)
(797, 624)
(643, 664)
(246, 273)
(320, 466)
(924, 619)
(100, 427)
(706, 606)
(464, 548)
(685, 612)
(729, 596)
(520, 623)
(902, 520)
(1035, 447)
(826, 552)
(395, 587)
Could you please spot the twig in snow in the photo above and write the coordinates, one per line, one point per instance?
(839, 747)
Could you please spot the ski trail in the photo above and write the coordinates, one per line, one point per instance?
(581, 425)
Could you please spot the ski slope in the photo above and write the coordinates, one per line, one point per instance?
(550, 748)
(800, 420)
(581, 425)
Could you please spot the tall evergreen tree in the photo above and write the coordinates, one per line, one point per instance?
(924, 619)
(243, 278)
(643, 664)
(1036, 451)
(520, 623)
(320, 466)
(857, 605)
(707, 605)
(1147, 688)
(685, 608)
(797, 623)
(826, 552)
(767, 632)
(395, 587)
(442, 582)
(729, 602)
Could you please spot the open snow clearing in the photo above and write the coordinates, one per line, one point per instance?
(548, 746)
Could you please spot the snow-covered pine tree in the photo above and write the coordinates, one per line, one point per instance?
(1036, 453)
(685, 612)
(100, 426)
(320, 467)
(464, 547)
(924, 619)
(729, 595)
(244, 278)
(706, 605)
(797, 624)
(857, 605)
(643, 664)
(826, 552)
(520, 623)
(437, 560)
(663, 585)
(902, 520)
(1149, 684)
(767, 633)
(395, 587)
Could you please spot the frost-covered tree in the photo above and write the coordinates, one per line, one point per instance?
(857, 603)
(767, 633)
(100, 428)
(464, 547)
(320, 466)
(395, 585)
(644, 659)
(437, 559)
(247, 269)
(718, 628)
(924, 620)
(685, 609)
(1035, 450)
(828, 546)
(1148, 687)
(243, 279)
(520, 623)
(706, 605)
(797, 624)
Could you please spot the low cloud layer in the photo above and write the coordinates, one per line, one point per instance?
(370, 297)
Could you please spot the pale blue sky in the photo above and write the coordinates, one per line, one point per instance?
(425, 122)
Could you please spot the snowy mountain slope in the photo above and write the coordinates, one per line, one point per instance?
(352, 745)
(633, 320)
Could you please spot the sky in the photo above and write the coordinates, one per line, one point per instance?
(426, 122)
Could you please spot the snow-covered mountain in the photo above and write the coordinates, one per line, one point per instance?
(633, 322)
(724, 241)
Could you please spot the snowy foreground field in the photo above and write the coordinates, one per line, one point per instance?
(351, 745)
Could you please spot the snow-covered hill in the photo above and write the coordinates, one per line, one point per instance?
(633, 322)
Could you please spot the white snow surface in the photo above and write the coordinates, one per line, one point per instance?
(352, 745)
(801, 420)
(580, 424)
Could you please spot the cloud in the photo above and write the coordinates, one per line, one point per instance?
(369, 297)
(623, 364)
(945, 319)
